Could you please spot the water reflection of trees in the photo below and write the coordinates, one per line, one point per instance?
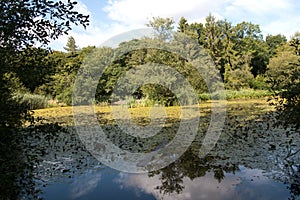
(254, 143)
(190, 165)
(35, 156)
(15, 177)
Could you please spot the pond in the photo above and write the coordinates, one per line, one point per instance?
(253, 159)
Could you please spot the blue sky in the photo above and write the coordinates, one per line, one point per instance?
(112, 17)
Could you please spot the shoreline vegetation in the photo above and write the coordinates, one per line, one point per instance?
(235, 56)
(140, 115)
(41, 102)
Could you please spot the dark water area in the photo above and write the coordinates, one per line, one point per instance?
(253, 159)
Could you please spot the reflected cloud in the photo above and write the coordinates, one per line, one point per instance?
(206, 187)
(85, 184)
(246, 184)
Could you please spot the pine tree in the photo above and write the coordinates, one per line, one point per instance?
(183, 25)
(71, 46)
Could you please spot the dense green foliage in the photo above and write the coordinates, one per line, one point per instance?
(283, 75)
(153, 92)
(245, 60)
(22, 25)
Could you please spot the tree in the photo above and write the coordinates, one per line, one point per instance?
(33, 67)
(163, 27)
(246, 55)
(183, 25)
(239, 52)
(62, 81)
(274, 41)
(283, 75)
(194, 30)
(212, 39)
(295, 42)
(250, 45)
(26, 22)
(71, 46)
(154, 58)
(23, 24)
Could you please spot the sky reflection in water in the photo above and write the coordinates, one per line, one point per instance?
(110, 184)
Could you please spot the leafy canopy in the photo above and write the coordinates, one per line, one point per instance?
(27, 22)
(23, 24)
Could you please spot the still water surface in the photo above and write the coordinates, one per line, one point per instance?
(253, 159)
(109, 184)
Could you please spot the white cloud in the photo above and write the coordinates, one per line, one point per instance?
(285, 27)
(274, 17)
(140, 12)
(259, 7)
(82, 37)
(280, 16)
(82, 8)
(200, 188)
(95, 34)
(244, 184)
(85, 184)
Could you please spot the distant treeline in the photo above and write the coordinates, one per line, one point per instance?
(244, 58)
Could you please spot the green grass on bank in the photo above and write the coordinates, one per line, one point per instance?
(237, 94)
(39, 101)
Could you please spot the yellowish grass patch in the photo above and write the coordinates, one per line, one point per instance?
(141, 115)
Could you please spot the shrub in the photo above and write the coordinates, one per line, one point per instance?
(238, 79)
(34, 101)
(259, 83)
(247, 94)
(204, 96)
(234, 94)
